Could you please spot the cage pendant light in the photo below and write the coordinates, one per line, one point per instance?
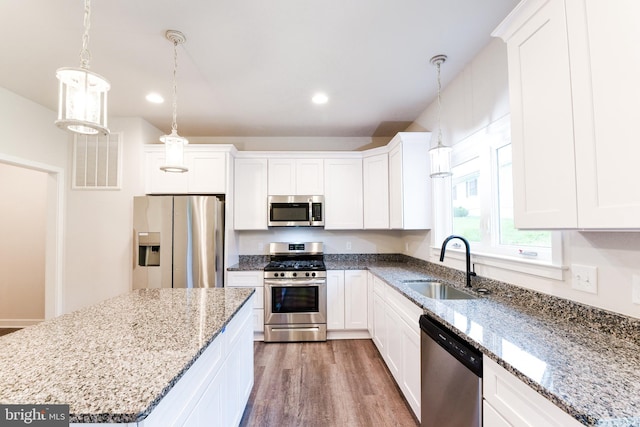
(440, 155)
(82, 94)
(174, 143)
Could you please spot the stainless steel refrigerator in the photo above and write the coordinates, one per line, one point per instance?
(178, 242)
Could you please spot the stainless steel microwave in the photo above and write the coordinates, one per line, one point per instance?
(296, 211)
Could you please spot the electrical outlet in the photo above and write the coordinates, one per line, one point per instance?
(584, 278)
(406, 247)
(635, 289)
(348, 246)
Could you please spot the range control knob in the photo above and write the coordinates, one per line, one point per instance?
(295, 274)
(313, 274)
(306, 274)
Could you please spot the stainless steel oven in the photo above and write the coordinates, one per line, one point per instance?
(295, 293)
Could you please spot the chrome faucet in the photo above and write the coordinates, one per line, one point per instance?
(467, 253)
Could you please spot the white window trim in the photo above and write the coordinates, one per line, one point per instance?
(532, 267)
(551, 269)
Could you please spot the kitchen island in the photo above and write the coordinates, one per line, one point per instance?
(145, 358)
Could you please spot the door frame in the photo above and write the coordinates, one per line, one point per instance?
(54, 246)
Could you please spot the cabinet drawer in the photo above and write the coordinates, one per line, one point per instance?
(245, 279)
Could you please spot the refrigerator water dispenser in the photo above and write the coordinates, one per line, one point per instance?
(148, 249)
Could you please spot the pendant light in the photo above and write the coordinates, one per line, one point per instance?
(174, 143)
(440, 155)
(82, 94)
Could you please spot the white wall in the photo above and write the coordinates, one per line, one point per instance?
(335, 242)
(31, 140)
(479, 96)
(100, 223)
(96, 253)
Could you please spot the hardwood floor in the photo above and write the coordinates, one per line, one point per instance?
(335, 383)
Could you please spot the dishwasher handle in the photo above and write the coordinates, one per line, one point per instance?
(453, 344)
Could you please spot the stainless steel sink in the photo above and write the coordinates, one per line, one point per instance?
(436, 290)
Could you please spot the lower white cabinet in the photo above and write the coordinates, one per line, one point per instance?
(346, 300)
(251, 279)
(396, 333)
(335, 300)
(216, 389)
(510, 402)
(370, 277)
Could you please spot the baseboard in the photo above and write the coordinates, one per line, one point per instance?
(258, 336)
(348, 335)
(19, 323)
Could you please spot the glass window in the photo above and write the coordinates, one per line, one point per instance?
(465, 203)
(481, 207)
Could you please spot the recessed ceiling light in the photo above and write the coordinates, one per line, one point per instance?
(155, 98)
(320, 98)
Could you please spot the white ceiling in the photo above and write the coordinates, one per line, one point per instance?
(250, 67)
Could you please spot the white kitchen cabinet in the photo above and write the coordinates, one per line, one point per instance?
(396, 333)
(355, 299)
(296, 177)
(207, 170)
(510, 402)
(250, 191)
(375, 170)
(370, 303)
(379, 325)
(347, 300)
(343, 194)
(409, 181)
(573, 68)
(335, 300)
(251, 279)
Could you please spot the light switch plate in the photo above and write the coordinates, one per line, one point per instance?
(635, 289)
(584, 278)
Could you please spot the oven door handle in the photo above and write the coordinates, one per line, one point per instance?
(294, 282)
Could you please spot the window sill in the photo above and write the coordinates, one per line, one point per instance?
(525, 266)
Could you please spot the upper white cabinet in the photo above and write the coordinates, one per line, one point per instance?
(250, 191)
(573, 68)
(343, 193)
(409, 181)
(289, 177)
(207, 170)
(375, 172)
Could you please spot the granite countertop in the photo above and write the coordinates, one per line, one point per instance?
(583, 359)
(115, 361)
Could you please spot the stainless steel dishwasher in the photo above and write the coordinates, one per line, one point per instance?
(451, 378)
